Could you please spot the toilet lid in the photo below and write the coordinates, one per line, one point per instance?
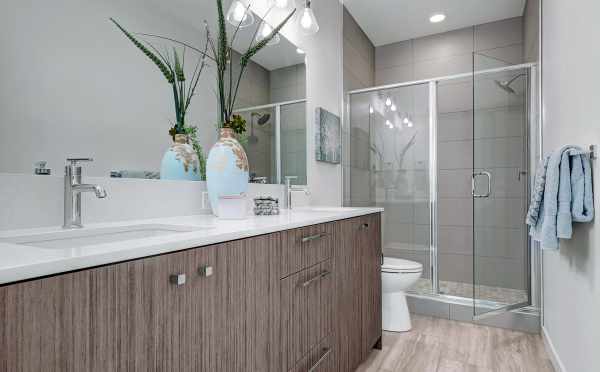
(401, 265)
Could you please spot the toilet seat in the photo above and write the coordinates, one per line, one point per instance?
(399, 265)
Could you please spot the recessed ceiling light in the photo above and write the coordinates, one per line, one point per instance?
(437, 18)
(300, 51)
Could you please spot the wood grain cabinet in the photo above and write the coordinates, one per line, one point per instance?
(303, 300)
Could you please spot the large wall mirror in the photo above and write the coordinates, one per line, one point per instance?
(73, 86)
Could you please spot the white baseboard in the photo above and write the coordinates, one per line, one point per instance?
(554, 358)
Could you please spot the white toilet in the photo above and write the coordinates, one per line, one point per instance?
(397, 276)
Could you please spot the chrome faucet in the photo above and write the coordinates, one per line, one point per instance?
(73, 190)
(289, 188)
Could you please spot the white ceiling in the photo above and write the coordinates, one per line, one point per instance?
(390, 21)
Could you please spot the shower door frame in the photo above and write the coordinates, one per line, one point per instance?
(534, 267)
(277, 109)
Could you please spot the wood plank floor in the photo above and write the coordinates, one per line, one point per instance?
(441, 345)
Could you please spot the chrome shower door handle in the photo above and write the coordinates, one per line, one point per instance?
(488, 175)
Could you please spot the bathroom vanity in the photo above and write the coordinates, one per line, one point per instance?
(295, 292)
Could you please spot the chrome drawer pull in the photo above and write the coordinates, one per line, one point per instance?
(363, 226)
(314, 279)
(307, 239)
(177, 279)
(205, 271)
(326, 352)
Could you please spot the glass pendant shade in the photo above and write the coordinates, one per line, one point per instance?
(239, 14)
(264, 31)
(307, 20)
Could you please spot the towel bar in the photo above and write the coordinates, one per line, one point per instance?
(593, 151)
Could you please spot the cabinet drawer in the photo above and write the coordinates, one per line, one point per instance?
(306, 312)
(304, 247)
(319, 359)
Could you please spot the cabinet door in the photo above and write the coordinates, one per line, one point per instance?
(370, 247)
(70, 322)
(246, 297)
(348, 287)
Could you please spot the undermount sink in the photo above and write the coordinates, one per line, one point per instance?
(69, 239)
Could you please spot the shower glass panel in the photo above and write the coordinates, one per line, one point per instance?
(293, 142)
(500, 186)
(386, 164)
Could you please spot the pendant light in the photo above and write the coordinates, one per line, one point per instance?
(307, 20)
(239, 14)
(264, 31)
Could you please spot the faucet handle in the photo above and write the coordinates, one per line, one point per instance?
(75, 161)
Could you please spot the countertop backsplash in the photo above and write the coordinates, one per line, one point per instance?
(29, 201)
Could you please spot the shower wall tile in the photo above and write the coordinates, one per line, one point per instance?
(355, 36)
(360, 66)
(443, 66)
(455, 240)
(454, 183)
(500, 57)
(455, 155)
(455, 97)
(396, 74)
(500, 272)
(500, 122)
(392, 55)
(455, 126)
(360, 190)
(499, 242)
(452, 43)
(359, 55)
(455, 267)
(455, 212)
(506, 184)
(496, 212)
(498, 34)
(499, 152)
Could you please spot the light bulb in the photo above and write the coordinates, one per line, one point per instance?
(406, 121)
(300, 51)
(389, 124)
(371, 110)
(308, 21)
(410, 124)
(388, 102)
(239, 14)
(265, 31)
(393, 108)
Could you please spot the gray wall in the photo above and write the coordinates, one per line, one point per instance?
(359, 72)
(570, 93)
(531, 24)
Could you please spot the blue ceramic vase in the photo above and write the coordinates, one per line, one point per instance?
(226, 169)
(180, 162)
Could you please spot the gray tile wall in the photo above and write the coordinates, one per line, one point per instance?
(531, 24)
(497, 139)
(359, 72)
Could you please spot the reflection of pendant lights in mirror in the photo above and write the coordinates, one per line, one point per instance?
(307, 20)
(264, 31)
(239, 13)
(281, 4)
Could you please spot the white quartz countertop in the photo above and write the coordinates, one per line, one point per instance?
(20, 262)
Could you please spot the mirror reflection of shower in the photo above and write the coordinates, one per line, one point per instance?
(506, 85)
(263, 118)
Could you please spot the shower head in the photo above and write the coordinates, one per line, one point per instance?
(262, 118)
(505, 85)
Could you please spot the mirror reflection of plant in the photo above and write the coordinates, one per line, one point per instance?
(192, 133)
(220, 52)
(172, 66)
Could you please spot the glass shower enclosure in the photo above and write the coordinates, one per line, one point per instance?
(448, 159)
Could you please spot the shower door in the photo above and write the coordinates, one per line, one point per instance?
(501, 256)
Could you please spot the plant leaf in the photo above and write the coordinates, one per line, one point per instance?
(161, 66)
